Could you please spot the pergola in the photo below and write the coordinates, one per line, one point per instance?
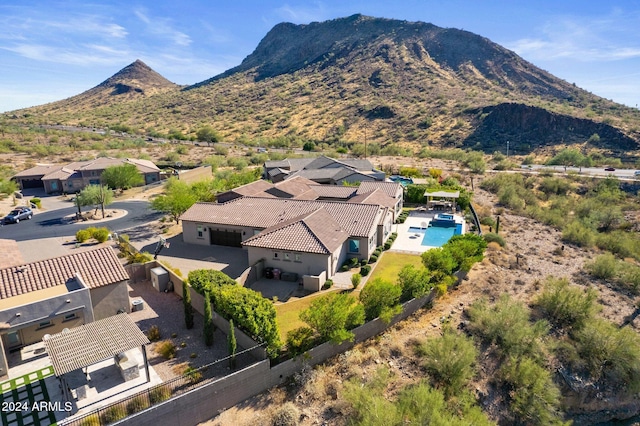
(92, 343)
(447, 195)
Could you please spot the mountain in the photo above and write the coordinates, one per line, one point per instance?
(358, 79)
(135, 81)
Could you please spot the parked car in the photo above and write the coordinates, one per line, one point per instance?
(609, 169)
(637, 173)
(18, 214)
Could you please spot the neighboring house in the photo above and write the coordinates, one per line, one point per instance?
(283, 229)
(47, 296)
(75, 176)
(323, 170)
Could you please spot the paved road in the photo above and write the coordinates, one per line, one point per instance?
(593, 171)
(51, 223)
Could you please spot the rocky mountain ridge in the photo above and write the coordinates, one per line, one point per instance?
(358, 79)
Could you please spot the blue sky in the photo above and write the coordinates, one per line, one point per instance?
(50, 50)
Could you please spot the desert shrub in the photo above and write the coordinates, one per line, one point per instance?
(82, 235)
(101, 234)
(113, 414)
(534, 398)
(37, 202)
(192, 375)
(492, 237)
(138, 403)
(611, 353)
(381, 298)
(629, 275)
(449, 360)
(355, 280)
(167, 349)
(364, 270)
(353, 262)
(507, 324)
(299, 340)
(579, 234)
(621, 243)
(603, 266)
(159, 394)
(286, 415)
(154, 333)
(566, 306)
(488, 221)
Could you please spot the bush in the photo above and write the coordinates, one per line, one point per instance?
(353, 262)
(166, 348)
(82, 235)
(299, 340)
(567, 307)
(154, 333)
(206, 279)
(113, 414)
(92, 420)
(327, 284)
(332, 316)
(381, 298)
(37, 202)
(138, 403)
(387, 245)
(578, 234)
(364, 270)
(344, 268)
(603, 266)
(373, 258)
(287, 415)
(101, 234)
(363, 262)
(414, 282)
(355, 280)
(449, 361)
(159, 394)
(494, 238)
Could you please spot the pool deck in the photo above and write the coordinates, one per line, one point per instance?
(411, 242)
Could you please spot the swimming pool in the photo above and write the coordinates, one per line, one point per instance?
(436, 236)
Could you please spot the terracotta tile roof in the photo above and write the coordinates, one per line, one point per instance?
(315, 232)
(389, 188)
(92, 343)
(253, 188)
(11, 255)
(97, 268)
(145, 166)
(356, 219)
(39, 170)
(377, 196)
(334, 191)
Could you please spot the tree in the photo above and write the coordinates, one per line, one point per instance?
(232, 344)
(176, 200)
(208, 134)
(309, 146)
(188, 308)
(568, 157)
(96, 195)
(415, 282)
(439, 259)
(124, 176)
(208, 320)
(332, 316)
(381, 299)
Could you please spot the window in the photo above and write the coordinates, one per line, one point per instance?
(354, 246)
(200, 235)
(287, 257)
(275, 255)
(297, 258)
(44, 324)
(70, 317)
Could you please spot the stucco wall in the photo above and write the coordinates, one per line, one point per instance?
(195, 175)
(109, 299)
(190, 232)
(309, 264)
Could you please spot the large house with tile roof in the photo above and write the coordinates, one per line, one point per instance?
(47, 296)
(323, 170)
(73, 177)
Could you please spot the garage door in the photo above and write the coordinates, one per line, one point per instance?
(226, 238)
(32, 183)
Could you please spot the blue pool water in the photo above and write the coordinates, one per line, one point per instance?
(436, 236)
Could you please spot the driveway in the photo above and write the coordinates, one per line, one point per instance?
(188, 257)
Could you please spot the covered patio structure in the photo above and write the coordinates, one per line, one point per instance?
(442, 200)
(89, 344)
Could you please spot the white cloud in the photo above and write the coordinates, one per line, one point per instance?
(302, 14)
(607, 38)
(163, 28)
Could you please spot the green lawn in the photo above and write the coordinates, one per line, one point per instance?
(391, 263)
(287, 313)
